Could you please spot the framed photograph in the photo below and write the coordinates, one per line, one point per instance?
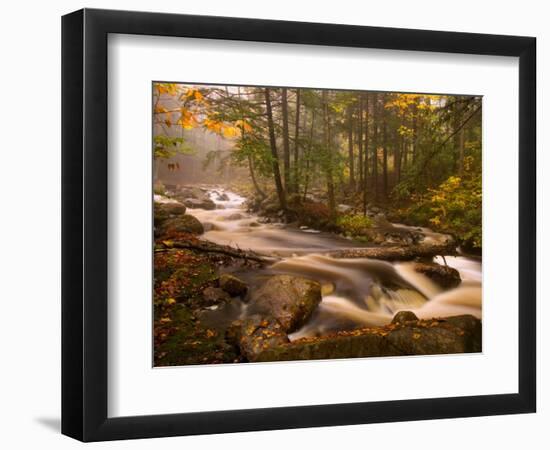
(273, 224)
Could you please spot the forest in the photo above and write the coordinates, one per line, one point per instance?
(301, 223)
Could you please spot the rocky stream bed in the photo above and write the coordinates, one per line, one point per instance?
(234, 283)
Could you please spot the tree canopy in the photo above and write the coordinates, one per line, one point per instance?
(416, 155)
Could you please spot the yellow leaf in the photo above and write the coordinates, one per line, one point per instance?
(229, 131)
(243, 125)
(171, 301)
(165, 320)
(210, 333)
(168, 243)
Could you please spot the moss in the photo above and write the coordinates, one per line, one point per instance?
(186, 341)
(179, 337)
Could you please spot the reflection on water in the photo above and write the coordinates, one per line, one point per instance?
(356, 292)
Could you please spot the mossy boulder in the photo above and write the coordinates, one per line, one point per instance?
(459, 334)
(289, 299)
(163, 211)
(255, 335)
(182, 224)
(190, 192)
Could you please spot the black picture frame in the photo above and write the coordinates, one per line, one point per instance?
(84, 224)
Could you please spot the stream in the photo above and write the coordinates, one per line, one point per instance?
(357, 292)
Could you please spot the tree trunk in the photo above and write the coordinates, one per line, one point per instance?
(360, 139)
(253, 178)
(384, 151)
(286, 140)
(296, 180)
(375, 148)
(414, 134)
(308, 153)
(461, 152)
(275, 156)
(397, 158)
(366, 142)
(366, 155)
(350, 149)
(328, 164)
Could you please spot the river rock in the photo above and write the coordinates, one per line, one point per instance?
(190, 192)
(255, 335)
(182, 224)
(343, 208)
(444, 276)
(404, 316)
(232, 285)
(214, 296)
(271, 208)
(223, 197)
(171, 208)
(289, 299)
(163, 211)
(204, 203)
(234, 216)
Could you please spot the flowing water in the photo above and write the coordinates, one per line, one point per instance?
(357, 291)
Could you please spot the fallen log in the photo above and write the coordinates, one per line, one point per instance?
(398, 253)
(209, 247)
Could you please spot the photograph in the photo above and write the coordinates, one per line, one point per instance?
(312, 224)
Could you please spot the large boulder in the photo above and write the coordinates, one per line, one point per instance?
(190, 192)
(444, 276)
(173, 208)
(459, 334)
(182, 224)
(165, 210)
(289, 299)
(233, 285)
